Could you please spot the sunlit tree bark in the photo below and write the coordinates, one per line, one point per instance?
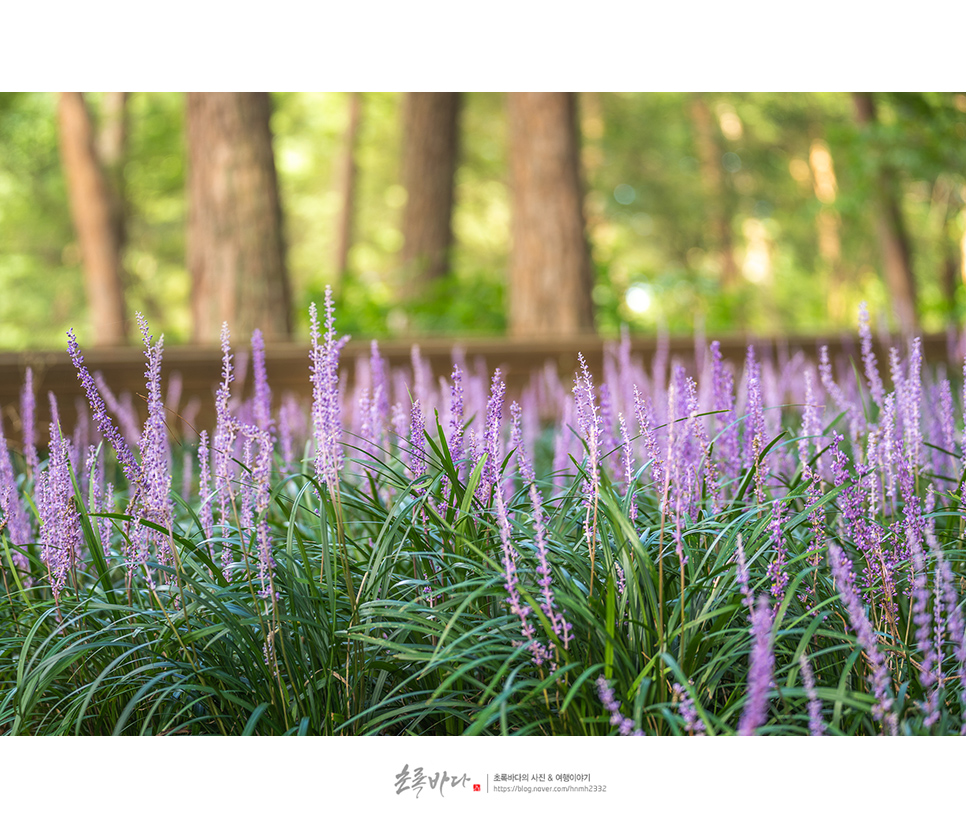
(551, 275)
(827, 224)
(95, 215)
(112, 150)
(430, 148)
(236, 252)
(347, 185)
(709, 155)
(891, 229)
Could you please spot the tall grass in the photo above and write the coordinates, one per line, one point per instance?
(779, 552)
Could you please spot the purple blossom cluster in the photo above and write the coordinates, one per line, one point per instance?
(693, 725)
(682, 438)
(625, 726)
(879, 677)
(761, 666)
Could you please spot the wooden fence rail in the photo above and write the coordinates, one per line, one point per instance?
(288, 365)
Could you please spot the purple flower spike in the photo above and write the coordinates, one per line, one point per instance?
(155, 497)
(760, 667)
(628, 458)
(517, 606)
(879, 673)
(625, 726)
(99, 412)
(60, 530)
(815, 723)
(28, 406)
(693, 725)
(954, 626)
(13, 518)
(923, 621)
(776, 568)
(326, 412)
(492, 434)
(263, 394)
(417, 441)
(868, 357)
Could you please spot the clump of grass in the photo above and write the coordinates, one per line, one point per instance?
(779, 552)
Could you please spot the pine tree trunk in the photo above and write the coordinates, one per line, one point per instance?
(347, 186)
(551, 275)
(236, 252)
(112, 150)
(430, 147)
(709, 156)
(893, 239)
(827, 223)
(94, 219)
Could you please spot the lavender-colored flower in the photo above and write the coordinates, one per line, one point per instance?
(13, 518)
(627, 453)
(204, 486)
(60, 531)
(260, 490)
(649, 439)
(155, 493)
(456, 418)
(811, 426)
(246, 492)
(700, 452)
(723, 401)
(761, 665)
(28, 407)
(589, 425)
(815, 724)
(909, 399)
(326, 413)
(417, 441)
(223, 442)
(517, 606)
(693, 725)
(776, 568)
(99, 412)
(743, 579)
(492, 435)
(868, 357)
(924, 643)
(545, 579)
(625, 726)
(954, 626)
(755, 424)
(878, 670)
(263, 393)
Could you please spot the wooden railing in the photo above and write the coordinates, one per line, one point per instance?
(288, 365)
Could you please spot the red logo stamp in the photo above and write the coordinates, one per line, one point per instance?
(476, 787)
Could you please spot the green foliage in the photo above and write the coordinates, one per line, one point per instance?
(653, 212)
(388, 616)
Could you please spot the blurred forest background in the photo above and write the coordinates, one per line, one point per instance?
(473, 213)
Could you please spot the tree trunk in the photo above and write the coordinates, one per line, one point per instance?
(709, 155)
(112, 149)
(551, 275)
(827, 223)
(348, 186)
(94, 219)
(893, 239)
(236, 252)
(430, 146)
